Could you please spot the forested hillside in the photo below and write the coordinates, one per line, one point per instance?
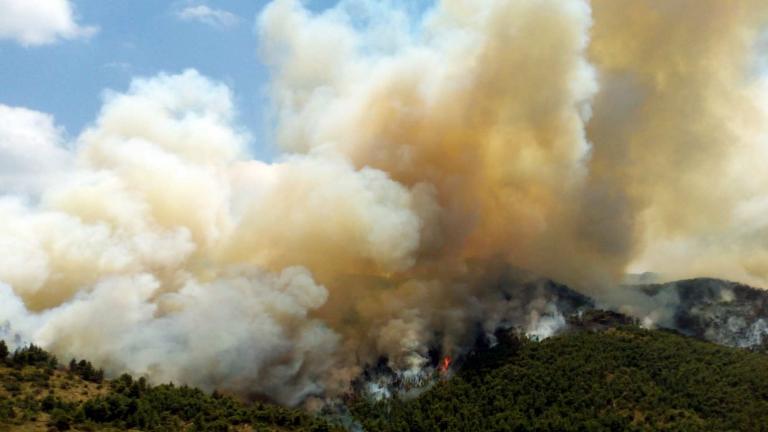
(620, 379)
(38, 394)
(605, 375)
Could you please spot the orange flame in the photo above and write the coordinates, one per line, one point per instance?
(445, 364)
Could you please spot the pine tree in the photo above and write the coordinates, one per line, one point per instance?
(3, 351)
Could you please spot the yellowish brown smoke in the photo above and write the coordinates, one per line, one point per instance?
(423, 158)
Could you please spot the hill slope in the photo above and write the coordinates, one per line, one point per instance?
(623, 378)
(37, 394)
(618, 378)
(720, 311)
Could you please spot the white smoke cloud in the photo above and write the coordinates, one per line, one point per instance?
(165, 225)
(40, 22)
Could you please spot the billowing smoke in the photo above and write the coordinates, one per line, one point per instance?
(434, 164)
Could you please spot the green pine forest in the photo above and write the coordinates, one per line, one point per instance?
(621, 379)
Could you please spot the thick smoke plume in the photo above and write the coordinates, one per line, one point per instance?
(426, 155)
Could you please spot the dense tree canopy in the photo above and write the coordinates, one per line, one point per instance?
(620, 379)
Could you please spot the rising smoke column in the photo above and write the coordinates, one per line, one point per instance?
(491, 142)
(424, 155)
(679, 128)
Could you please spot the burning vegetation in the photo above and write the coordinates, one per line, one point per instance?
(445, 365)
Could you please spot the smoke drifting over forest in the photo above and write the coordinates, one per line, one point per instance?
(424, 157)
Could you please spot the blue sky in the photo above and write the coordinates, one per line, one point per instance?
(140, 38)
